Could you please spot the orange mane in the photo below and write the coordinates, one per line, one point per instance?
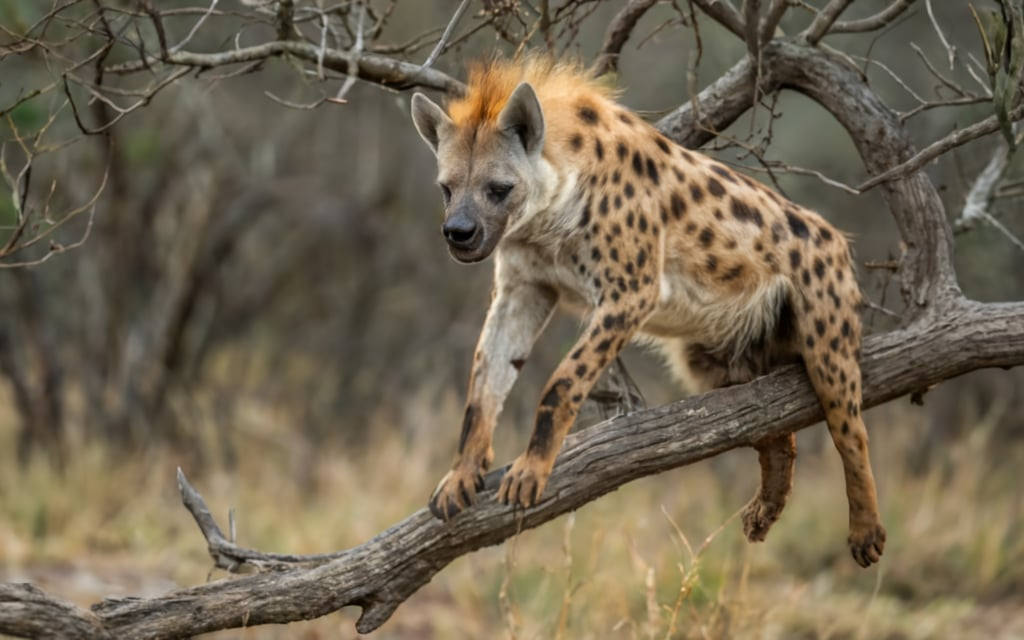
(492, 82)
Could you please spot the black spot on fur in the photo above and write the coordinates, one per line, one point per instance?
(696, 193)
(638, 164)
(642, 223)
(598, 149)
(603, 206)
(581, 370)
(658, 140)
(715, 188)
(614, 254)
(629, 219)
(797, 224)
(819, 327)
(588, 115)
(833, 344)
(744, 213)
(733, 273)
(652, 171)
(794, 259)
(585, 216)
(846, 329)
(628, 190)
(641, 259)
(806, 277)
(622, 150)
(542, 436)
(603, 346)
(724, 173)
(576, 141)
(618, 202)
(711, 264)
(595, 254)
(678, 206)
(468, 419)
(706, 237)
(819, 268)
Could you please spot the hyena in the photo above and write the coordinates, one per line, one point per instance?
(586, 206)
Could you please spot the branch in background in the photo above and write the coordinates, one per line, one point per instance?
(379, 575)
(934, 150)
(819, 27)
(979, 199)
(871, 23)
(772, 19)
(618, 32)
(722, 12)
(372, 67)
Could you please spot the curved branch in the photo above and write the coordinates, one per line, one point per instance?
(877, 21)
(372, 67)
(619, 30)
(382, 573)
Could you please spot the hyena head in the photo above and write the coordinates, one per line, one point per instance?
(487, 168)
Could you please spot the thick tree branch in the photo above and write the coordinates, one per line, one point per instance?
(382, 573)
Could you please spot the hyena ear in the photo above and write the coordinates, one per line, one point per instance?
(522, 116)
(430, 120)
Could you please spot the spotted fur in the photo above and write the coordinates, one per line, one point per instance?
(588, 207)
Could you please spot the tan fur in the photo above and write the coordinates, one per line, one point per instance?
(641, 238)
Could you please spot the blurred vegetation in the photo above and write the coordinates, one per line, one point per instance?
(264, 296)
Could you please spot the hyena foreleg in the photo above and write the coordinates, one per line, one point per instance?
(516, 317)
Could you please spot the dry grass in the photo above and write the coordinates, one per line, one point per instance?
(661, 558)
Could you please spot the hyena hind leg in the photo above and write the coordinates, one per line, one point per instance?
(831, 346)
(777, 457)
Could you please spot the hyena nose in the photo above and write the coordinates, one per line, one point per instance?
(461, 232)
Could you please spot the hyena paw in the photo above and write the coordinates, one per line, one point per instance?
(456, 491)
(758, 517)
(524, 482)
(867, 543)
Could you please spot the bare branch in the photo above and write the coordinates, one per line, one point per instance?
(751, 27)
(939, 147)
(723, 13)
(819, 27)
(871, 23)
(618, 32)
(371, 67)
(772, 19)
(439, 47)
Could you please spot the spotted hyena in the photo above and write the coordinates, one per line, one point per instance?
(585, 205)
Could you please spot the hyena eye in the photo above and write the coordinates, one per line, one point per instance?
(446, 193)
(498, 191)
